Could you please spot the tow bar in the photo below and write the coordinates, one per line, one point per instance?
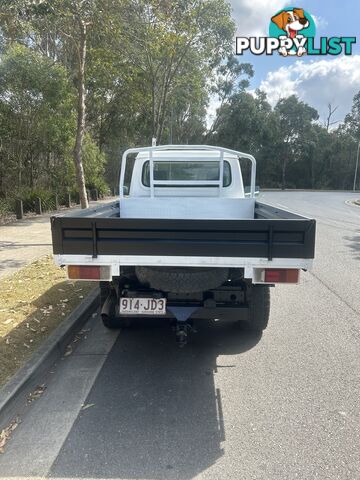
(182, 325)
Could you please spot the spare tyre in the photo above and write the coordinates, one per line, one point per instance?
(182, 279)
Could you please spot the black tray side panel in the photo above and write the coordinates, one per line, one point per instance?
(264, 238)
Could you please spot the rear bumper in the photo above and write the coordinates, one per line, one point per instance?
(222, 313)
(231, 314)
(251, 265)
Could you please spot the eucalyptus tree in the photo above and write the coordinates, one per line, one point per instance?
(141, 68)
(295, 118)
(58, 29)
(36, 118)
(161, 36)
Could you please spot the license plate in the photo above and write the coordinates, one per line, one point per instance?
(143, 306)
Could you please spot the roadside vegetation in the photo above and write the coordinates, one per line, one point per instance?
(81, 80)
(33, 302)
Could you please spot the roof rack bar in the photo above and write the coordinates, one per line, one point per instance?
(161, 148)
(221, 172)
(185, 183)
(152, 192)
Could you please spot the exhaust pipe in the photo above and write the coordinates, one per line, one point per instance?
(108, 307)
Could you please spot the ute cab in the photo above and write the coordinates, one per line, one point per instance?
(187, 184)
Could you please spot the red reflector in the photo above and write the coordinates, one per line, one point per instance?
(78, 272)
(282, 275)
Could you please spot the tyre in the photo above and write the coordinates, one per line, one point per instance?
(259, 308)
(181, 279)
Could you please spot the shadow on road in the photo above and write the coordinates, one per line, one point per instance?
(14, 245)
(10, 264)
(354, 244)
(157, 411)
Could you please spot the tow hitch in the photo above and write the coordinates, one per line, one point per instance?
(182, 325)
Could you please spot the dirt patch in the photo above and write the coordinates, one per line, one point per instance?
(33, 302)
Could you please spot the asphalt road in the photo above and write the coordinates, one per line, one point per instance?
(228, 406)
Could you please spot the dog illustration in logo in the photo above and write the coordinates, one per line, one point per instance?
(292, 22)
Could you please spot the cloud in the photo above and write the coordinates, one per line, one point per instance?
(214, 104)
(317, 83)
(320, 22)
(252, 17)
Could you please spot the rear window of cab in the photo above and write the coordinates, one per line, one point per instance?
(186, 171)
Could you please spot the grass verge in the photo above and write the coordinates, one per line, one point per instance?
(33, 302)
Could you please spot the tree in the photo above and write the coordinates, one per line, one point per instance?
(352, 119)
(162, 35)
(248, 125)
(351, 127)
(36, 119)
(56, 28)
(231, 77)
(79, 14)
(72, 18)
(329, 122)
(295, 117)
(186, 113)
(81, 80)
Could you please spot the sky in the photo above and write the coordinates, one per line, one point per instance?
(316, 80)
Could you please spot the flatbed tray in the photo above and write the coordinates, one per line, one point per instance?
(273, 233)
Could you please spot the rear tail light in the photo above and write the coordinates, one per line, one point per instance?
(282, 275)
(89, 272)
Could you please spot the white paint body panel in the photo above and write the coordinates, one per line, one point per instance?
(193, 199)
(251, 265)
(193, 208)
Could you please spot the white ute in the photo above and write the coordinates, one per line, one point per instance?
(185, 241)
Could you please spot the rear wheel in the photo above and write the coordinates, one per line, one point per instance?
(259, 308)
